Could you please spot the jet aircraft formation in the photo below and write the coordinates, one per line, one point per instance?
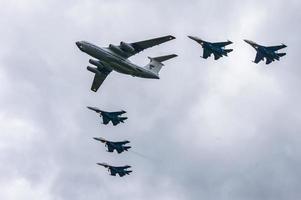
(115, 58)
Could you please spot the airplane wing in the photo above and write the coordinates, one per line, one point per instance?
(222, 44)
(105, 120)
(268, 61)
(258, 58)
(119, 150)
(276, 48)
(113, 172)
(121, 143)
(121, 174)
(206, 53)
(123, 167)
(140, 46)
(216, 56)
(118, 112)
(115, 122)
(99, 78)
(110, 148)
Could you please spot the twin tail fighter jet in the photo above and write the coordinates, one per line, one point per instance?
(266, 52)
(118, 146)
(114, 117)
(120, 170)
(115, 58)
(216, 48)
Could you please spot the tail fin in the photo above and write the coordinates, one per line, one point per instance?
(281, 54)
(156, 64)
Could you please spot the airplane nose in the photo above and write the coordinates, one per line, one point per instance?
(78, 44)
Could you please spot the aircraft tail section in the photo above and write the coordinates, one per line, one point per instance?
(156, 64)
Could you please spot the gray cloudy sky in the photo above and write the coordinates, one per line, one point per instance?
(226, 130)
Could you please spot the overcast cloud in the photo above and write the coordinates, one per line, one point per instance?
(218, 130)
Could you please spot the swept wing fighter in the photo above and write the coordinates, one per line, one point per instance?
(268, 52)
(114, 117)
(115, 58)
(121, 171)
(118, 146)
(215, 48)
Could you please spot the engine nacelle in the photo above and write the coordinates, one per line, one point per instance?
(96, 63)
(93, 70)
(126, 47)
(117, 50)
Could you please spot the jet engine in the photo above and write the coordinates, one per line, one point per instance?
(96, 63)
(93, 70)
(126, 47)
(117, 50)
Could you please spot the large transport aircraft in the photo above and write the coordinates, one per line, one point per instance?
(115, 58)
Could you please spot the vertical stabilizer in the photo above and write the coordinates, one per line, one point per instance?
(156, 64)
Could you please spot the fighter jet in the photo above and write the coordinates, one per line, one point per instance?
(268, 52)
(114, 117)
(121, 171)
(118, 146)
(215, 48)
(115, 58)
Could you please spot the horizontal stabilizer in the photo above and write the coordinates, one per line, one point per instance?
(163, 58)
(127, 147)
(281, 54)
(228, 50)
(156, 64)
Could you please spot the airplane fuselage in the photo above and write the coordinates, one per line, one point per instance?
(263, 51)
(119, 170)
(214, 49)
(119, 148)
(115, 62)
(113, 117)
(267, 53)
(110, 116)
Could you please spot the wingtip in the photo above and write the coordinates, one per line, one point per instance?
(90, 107)
(101, 139)
(102, 164)
(171, 37)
